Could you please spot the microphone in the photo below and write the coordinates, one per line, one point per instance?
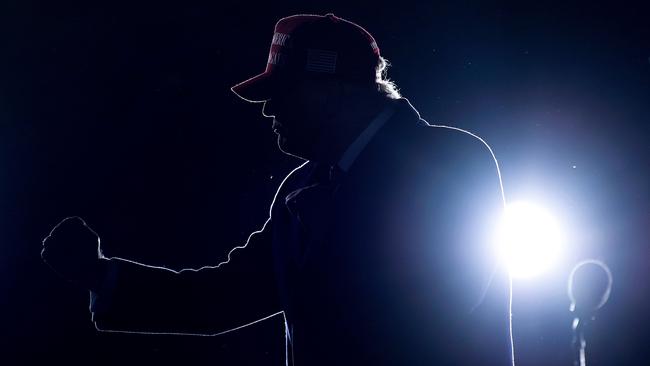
(590, 284)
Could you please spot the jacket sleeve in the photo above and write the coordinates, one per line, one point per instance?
(457, 203)
(210, 300)
(483, 282)
(479, 209)
(213, 299)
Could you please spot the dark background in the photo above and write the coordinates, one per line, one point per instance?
(121, 113)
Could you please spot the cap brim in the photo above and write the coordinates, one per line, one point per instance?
(256, 89)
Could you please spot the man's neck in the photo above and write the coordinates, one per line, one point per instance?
(353, 123)
(358, 117)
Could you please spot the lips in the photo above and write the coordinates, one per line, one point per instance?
(277, 127)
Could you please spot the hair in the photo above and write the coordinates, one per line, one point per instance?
(385, 85)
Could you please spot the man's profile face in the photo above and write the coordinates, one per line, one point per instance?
(298, 113)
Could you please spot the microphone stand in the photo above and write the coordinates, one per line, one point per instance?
(581, 322)
(590, 284)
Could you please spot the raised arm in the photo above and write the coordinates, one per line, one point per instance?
(127, 296)
(213, 299)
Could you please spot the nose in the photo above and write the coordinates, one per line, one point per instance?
(267, 109)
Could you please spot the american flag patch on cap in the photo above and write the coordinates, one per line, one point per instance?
(321, 61)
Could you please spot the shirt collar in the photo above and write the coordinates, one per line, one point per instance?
(353, 151)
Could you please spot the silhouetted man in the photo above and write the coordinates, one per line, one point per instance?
(377, 249)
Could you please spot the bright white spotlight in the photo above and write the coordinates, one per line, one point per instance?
(530, 240)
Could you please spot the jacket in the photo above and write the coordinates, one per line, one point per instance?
(390, 261)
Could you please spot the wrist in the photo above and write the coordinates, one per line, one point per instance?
(97, 278)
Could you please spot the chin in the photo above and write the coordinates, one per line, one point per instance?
(286, 148)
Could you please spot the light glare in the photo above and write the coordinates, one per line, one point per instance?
(530, 239)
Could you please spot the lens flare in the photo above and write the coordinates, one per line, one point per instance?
(530, 239)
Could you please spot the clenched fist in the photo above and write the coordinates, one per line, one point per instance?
(72, 251)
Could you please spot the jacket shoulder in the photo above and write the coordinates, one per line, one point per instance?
(457, 144)
(290, 183)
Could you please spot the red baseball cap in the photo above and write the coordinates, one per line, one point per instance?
(313, 46)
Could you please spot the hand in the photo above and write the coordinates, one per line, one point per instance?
(72, 251)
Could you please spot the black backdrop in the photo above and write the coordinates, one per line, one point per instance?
(121, 113)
